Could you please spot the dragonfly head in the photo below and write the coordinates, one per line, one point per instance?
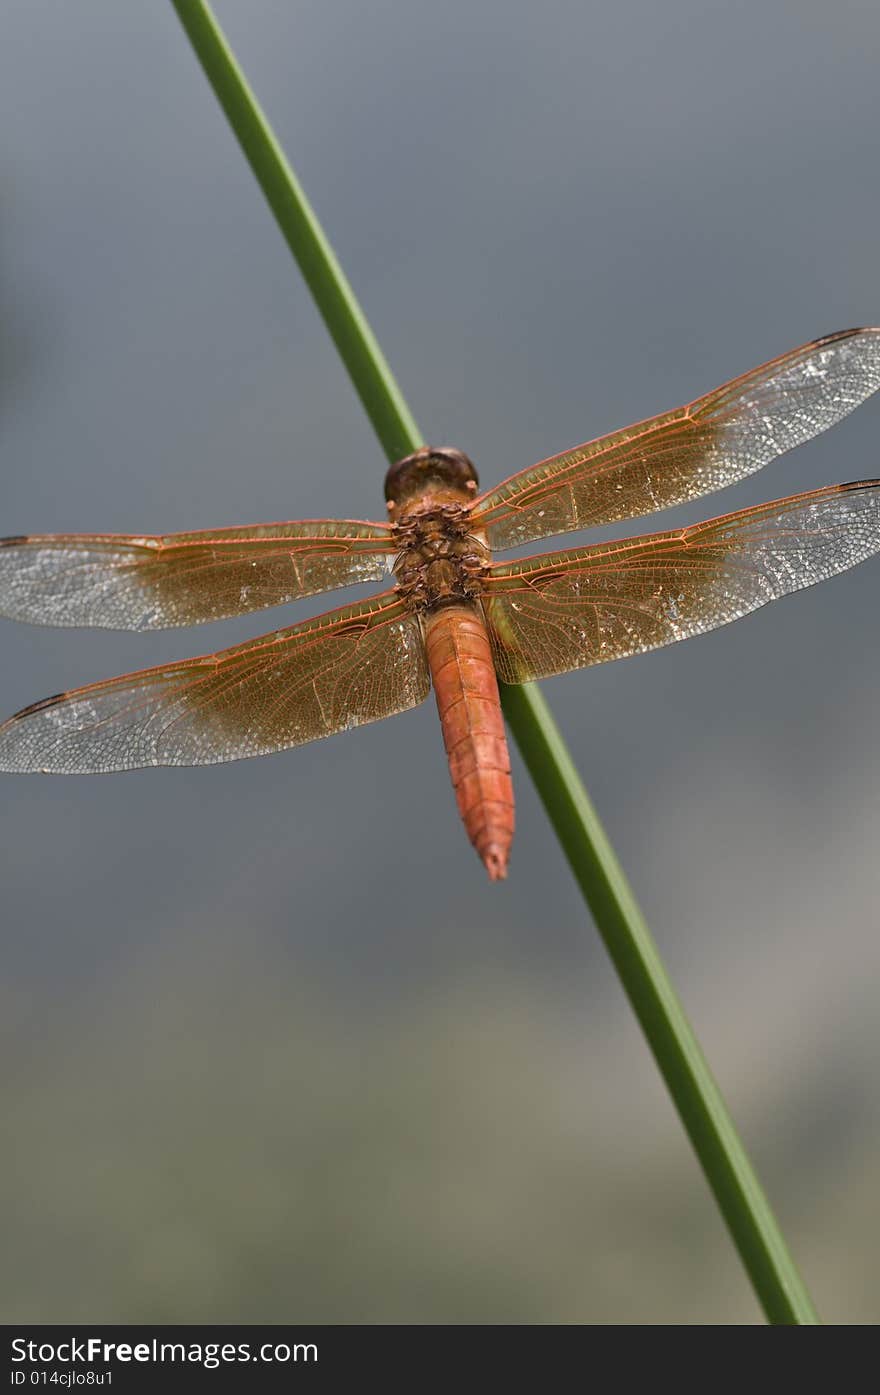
(438, 469)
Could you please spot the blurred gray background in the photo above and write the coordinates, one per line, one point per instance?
(274, 1049)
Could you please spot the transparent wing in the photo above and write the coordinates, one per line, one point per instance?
(123, 582)
(720, 438)
(566, 610)
(334, 672)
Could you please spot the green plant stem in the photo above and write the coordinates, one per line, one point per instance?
(737, 1191)
(620, 922)
(349, 330)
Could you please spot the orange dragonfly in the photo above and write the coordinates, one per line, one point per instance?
(453, 617)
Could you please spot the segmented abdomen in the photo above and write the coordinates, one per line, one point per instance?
(473, 729)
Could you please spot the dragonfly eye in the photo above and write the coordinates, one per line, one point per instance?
(441, 467)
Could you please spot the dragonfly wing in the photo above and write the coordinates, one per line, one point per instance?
(123, 582)
(669, 459)
(567, 610)
(331, 673)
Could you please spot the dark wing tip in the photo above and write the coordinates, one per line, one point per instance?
(16, 541)
(860, 484)
(846, 334)
(36, 707)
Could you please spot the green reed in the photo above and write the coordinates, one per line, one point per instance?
(738, 1193)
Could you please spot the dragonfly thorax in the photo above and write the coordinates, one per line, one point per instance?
(440, 561)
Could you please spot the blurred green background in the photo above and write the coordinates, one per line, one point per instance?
(273, 1048)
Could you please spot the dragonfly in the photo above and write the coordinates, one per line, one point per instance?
(454, 617)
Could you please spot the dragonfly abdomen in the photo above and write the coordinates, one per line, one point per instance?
(466, 687)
